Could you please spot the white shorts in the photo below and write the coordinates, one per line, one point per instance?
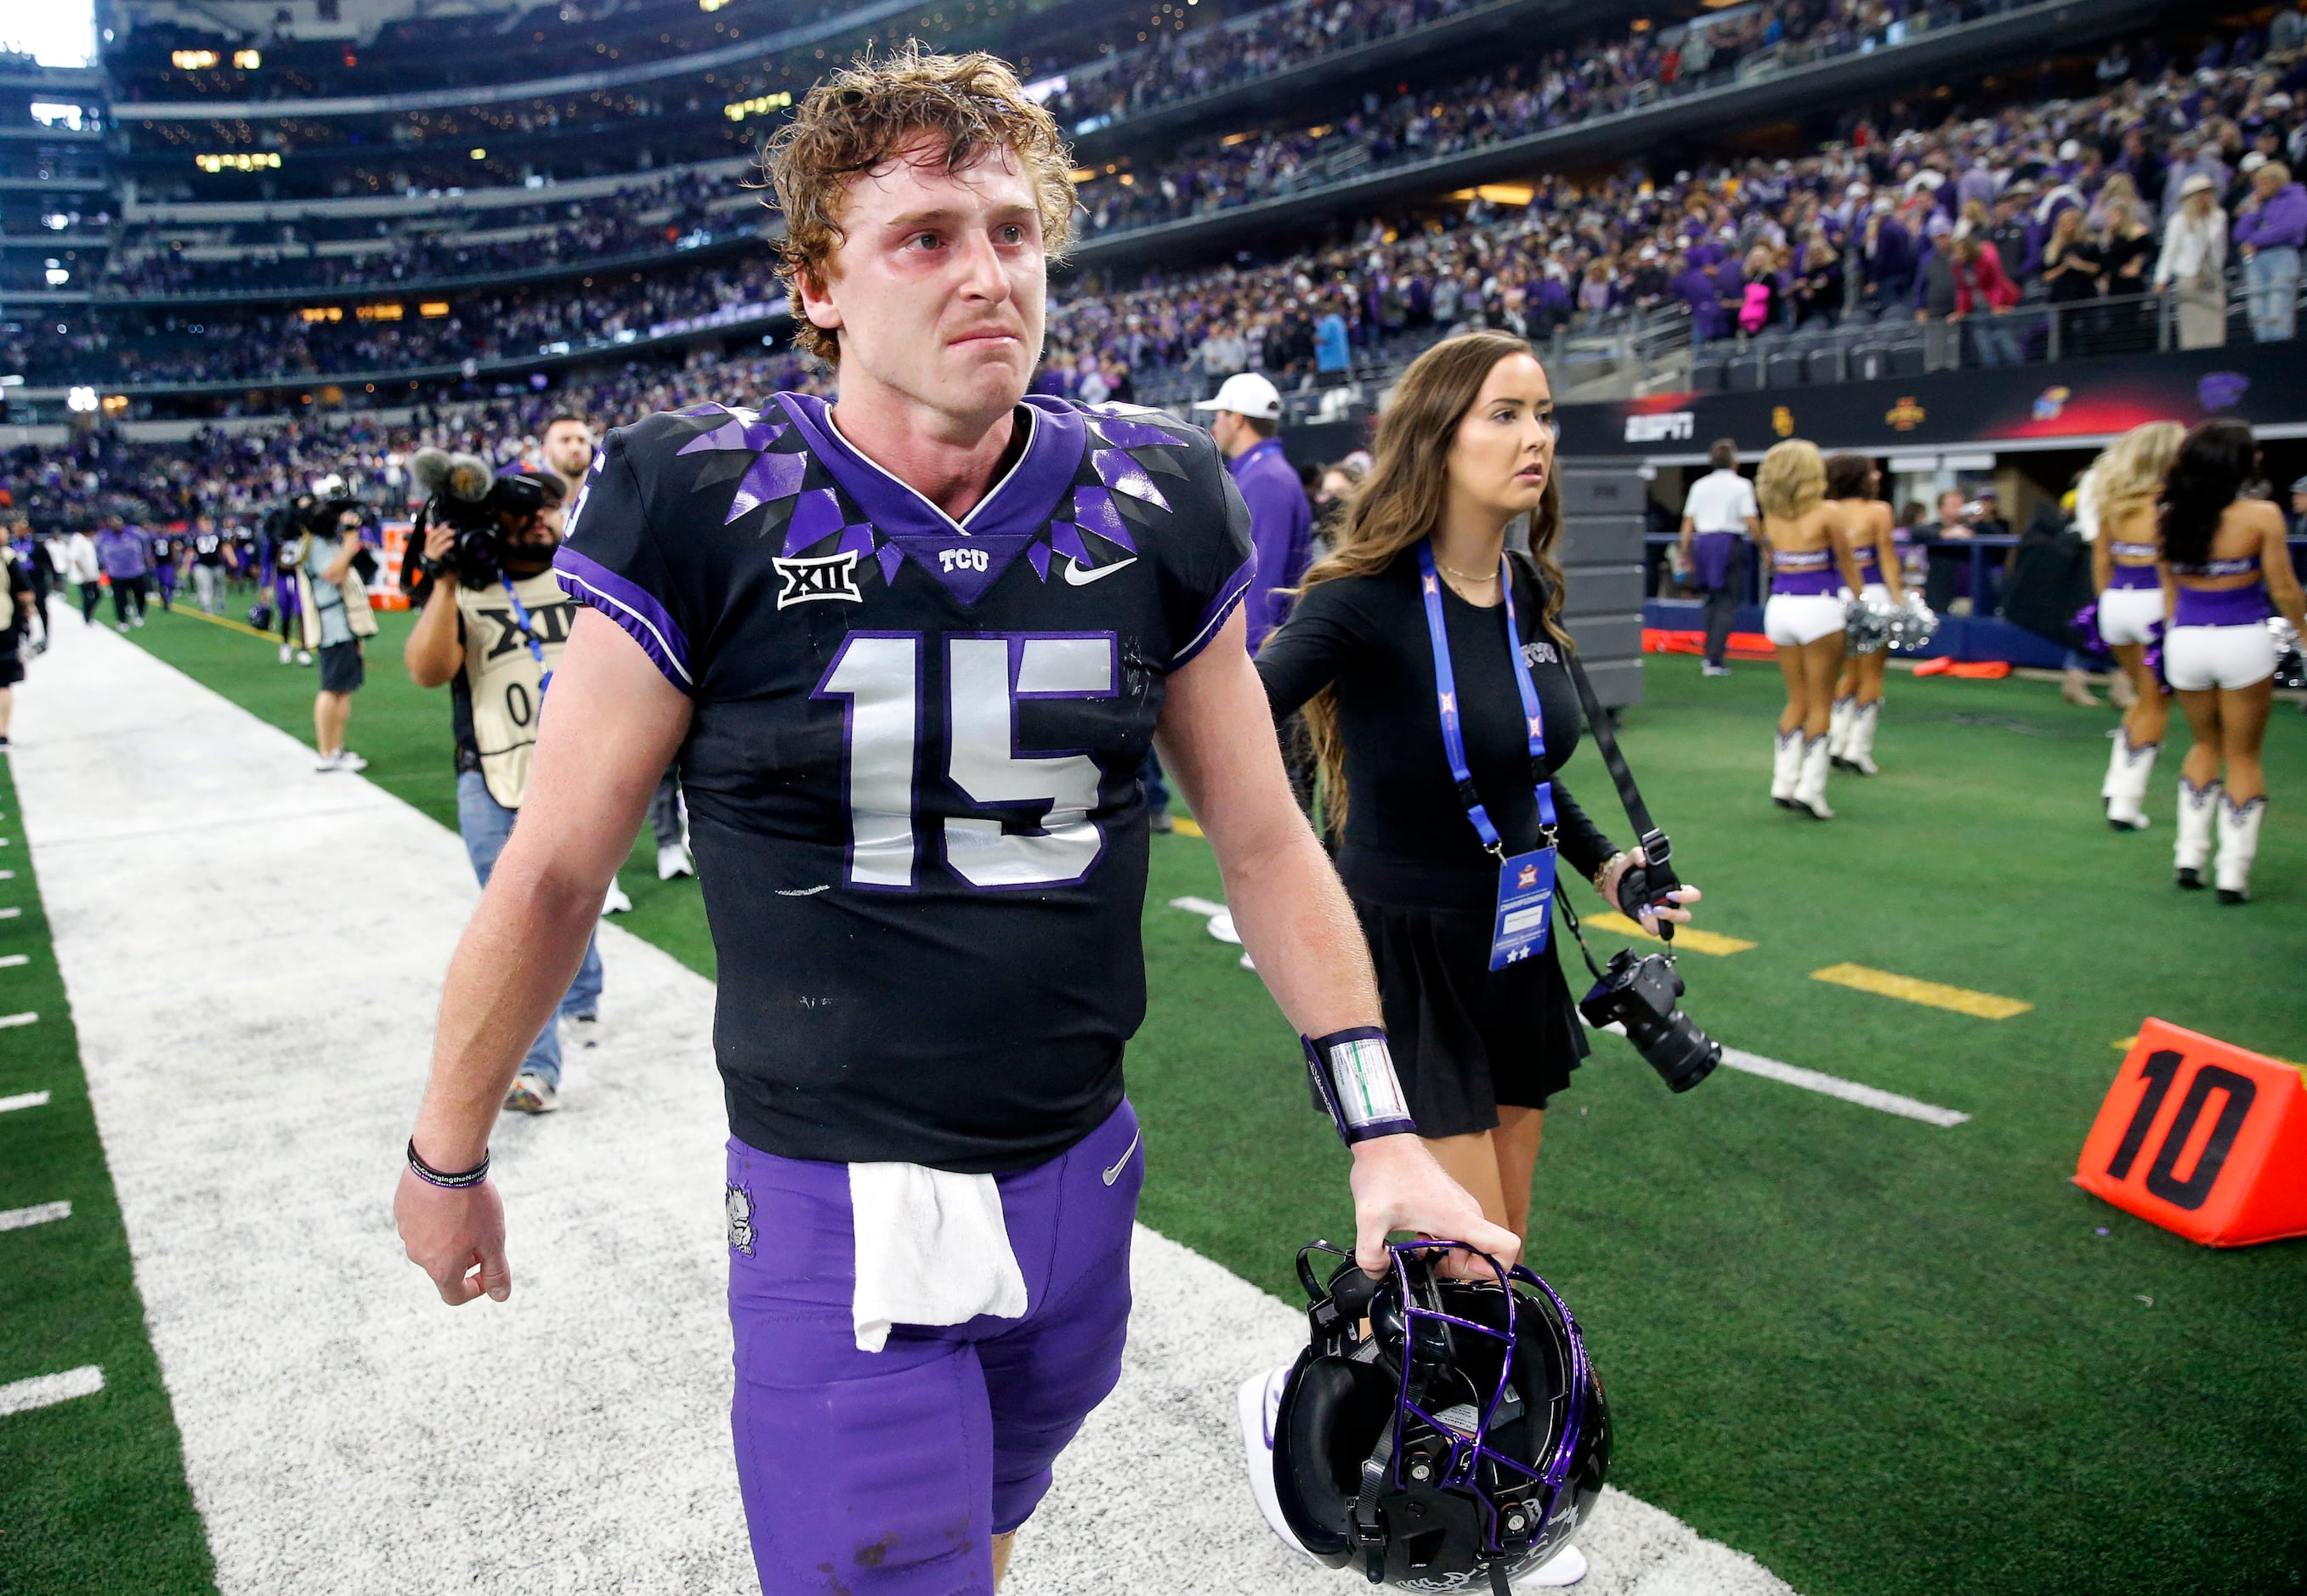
(1791, 619)
(2197, 658)
(1875, 593)
(2125, 614)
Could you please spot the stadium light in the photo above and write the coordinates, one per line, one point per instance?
(71, 118)
(192, 60)
(56, 275)
(248, 60)
(479, 154)
(80, 401)
(259, 161)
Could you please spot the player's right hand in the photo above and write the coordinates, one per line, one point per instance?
(456, 1235)
(1398, 1184)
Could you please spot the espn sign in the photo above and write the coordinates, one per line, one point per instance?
(1665, 426)
(2203, 1138)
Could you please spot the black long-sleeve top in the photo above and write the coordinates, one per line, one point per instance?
(1408, 841)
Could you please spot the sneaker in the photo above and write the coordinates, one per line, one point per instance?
(673, 859)
(330, 762)
(580, 1030)
(347, 760)
(284, 654)
(120, 626)
(615, 903)
(304, 656)
(1714, 670)
(139, 621)
(532, 1094)
(1160, 823)
(1564, 1567)
(1257, 1402)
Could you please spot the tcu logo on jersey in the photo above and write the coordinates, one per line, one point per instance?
(961, 559)
(827, 576)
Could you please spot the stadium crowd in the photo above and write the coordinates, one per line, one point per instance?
(1866, 226)
(639, 217)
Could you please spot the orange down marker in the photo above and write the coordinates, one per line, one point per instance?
(2202, 1139)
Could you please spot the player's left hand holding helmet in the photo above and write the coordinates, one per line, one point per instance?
(1438, 1434)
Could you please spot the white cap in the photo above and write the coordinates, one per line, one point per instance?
(1246, 393)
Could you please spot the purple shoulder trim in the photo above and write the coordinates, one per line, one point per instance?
(1213, 617)
(590, 581)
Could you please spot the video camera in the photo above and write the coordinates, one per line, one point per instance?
(291, 525)
(484, 507)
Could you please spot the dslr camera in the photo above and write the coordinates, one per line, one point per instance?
(487, 510)
(1644, 994)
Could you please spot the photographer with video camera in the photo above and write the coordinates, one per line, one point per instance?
(492, 627)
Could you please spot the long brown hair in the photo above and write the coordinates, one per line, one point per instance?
(1400, 503)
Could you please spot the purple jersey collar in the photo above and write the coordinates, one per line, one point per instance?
(1003, 523)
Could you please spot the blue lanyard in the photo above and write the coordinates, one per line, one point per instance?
(1446, 688)
(529, 635)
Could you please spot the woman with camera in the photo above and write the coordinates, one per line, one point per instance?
(1419, 649)
(2134, 597)
(1809, 555)
(2227, 558)
(1855, 487)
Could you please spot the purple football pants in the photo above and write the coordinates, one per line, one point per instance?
(888, 1473)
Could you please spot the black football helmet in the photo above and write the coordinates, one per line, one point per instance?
(1443, 1434)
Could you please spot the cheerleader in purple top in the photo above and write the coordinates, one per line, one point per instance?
(1807, 544)
(1854, 486)
(2134, 601)
(2227, 560)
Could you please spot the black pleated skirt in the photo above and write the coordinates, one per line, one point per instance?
(1467, 1038)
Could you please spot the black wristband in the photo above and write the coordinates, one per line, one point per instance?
(438, 1177)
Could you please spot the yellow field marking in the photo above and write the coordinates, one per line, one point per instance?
(1188, 828)
(2126, 1044)
(1684, 937)
(219, 620)
(1982, 1005)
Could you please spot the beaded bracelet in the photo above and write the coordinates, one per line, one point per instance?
(443, 1178)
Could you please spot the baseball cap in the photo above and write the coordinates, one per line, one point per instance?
(1246, 393)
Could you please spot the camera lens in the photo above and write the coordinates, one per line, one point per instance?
(1682, 1054)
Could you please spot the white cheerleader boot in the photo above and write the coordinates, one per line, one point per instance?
(1858, 747)
(2192, 850)
(1810, 791)
(2238, 847)
(2128, 771)
(1787, 769)
(1838, 728)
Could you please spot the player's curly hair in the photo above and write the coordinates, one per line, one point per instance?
(867, 113)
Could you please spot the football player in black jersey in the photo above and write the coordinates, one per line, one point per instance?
(910, 649)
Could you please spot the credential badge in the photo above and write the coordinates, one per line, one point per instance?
(825, 577)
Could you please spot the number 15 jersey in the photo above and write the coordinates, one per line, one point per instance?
(912, 769)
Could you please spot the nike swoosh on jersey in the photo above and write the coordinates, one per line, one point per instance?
(1114, 1173)
(1080, 576)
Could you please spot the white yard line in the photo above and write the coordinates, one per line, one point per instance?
(23, 1100)
(1834, 1086)
(9, 914)
(591, 1411)
(46, 1213)
(11, 961)
(46, 1390)
(27, 1018)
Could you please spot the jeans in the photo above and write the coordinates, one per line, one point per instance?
(2273, 275)
(1157, 790)
(487, 825)
(665, 817)
(205, 579)
(1994, 344)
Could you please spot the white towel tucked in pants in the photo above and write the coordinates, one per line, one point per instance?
(932, 1249)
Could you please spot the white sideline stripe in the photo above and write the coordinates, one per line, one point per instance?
(46, 1390)
(191, 1017)
(46, 1213)
(23, 1100)
(1850, 1091)
(9, 914)
(11, 961)
(7, 874)
(28, 1018)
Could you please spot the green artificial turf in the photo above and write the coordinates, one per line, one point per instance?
(1878, 1355)
(93, 1492)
